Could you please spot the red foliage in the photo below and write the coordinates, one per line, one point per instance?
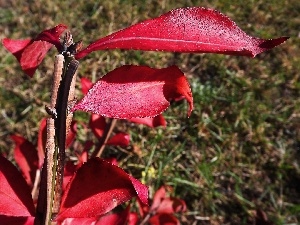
(31, 52)
(26, 157)
(193, 29)
(15, 195)
(119, 139)
(136, 91)
(156, 121)
(111, 187)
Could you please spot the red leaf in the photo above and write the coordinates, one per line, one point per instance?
(97, 124)
(193, 29)
(17, 220)
(30, 56)
(15, 195)
(71, 134)
(101, 186)
(52, 35)
(156, 121)
(79, 221)
(86, 85)
(171, 205)
(133, 219)
(163, 204)
(163, 219)
(136, 91)
(26, 157)
(16, 47)
(41, 143)
(30, 53)
(115, 218)
(120, 139)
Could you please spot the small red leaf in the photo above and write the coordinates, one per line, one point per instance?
(163, 219)
(133, 219)
(16, 47)
(163, 204)
(41, 143)
(105, 186)
(86, 85)
(136, 91)
(71, 134)
(193, 29)
(15, 195)
(52, 35)
(26, 157)
(97, 124)
(120, 139)
(30, 53)
(156, 121)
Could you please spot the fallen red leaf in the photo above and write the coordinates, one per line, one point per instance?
(136, 91)
(192, 29)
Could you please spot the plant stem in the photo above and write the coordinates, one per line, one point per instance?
(71, 66)
(101, 144)
(45, 199)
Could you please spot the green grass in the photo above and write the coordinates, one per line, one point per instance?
(240, 149)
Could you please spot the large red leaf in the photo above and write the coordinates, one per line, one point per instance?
(15, 195)
(136, 91)
(193, 29)
(30, 53)
(26, 157)
(100, 186)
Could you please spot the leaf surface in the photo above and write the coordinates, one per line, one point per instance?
(97, 124)
(31, 52)
(26, 157)
(192, 29)
(136, 91)
(120, 139)
(101, 186)
(15, 195)
(86, 85)
(156, 121)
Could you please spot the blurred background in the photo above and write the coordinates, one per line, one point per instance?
(236, 159)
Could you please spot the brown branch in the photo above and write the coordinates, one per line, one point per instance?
(101, 144)
(45, 199)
